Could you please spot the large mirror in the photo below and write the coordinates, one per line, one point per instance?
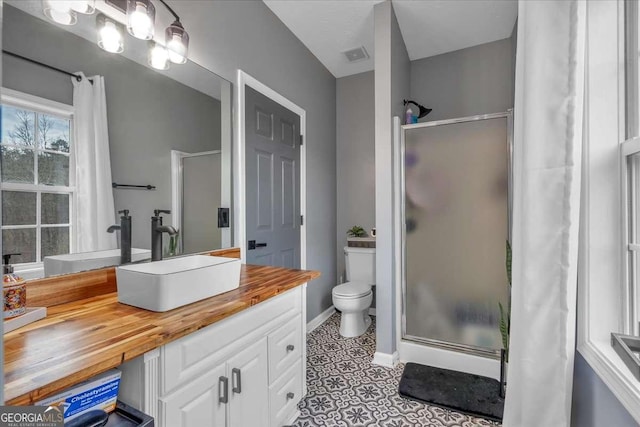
(77, 152)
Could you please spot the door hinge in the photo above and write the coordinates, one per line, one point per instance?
(301, 140)
(301, 219)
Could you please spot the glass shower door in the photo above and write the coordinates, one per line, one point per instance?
(456, 213)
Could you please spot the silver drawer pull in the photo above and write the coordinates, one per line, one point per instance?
(223, 383)
(290, 347)
(236, 379)
(290, 396)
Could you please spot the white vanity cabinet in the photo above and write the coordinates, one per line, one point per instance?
(247, 370)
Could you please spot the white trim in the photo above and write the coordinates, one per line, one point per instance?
(239, 182)
(320, 319)
(176, 193)
(602, 207)
(614, 373)
(177, 177)
(36, 103)
(447, 359)
(385, 359)
(226, 129)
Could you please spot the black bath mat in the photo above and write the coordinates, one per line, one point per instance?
(459, 391)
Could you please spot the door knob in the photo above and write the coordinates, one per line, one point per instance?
(290, 347)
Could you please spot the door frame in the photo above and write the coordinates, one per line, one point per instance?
(239, 173)
(177, 176)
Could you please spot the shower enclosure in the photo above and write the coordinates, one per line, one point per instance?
(456, 211)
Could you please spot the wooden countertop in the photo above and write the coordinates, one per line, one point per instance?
(80, 339)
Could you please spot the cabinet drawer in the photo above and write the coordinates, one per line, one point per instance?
(284, 347)
(285, 394)
(190, 356)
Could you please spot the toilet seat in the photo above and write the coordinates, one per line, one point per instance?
(351, 290)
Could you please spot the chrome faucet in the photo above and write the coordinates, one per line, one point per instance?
(125, 236)
(156, 233)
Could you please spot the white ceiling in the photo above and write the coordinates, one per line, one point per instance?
(429, 27)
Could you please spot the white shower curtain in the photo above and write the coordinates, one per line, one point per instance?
(95, 207)
(548, 116)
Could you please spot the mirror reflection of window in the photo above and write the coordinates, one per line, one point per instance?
(37, 194)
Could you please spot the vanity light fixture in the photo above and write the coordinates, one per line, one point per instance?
(86, 7)
(60, 11)
(177, 40)
(110, 34)
(158, 56)
(141, 16)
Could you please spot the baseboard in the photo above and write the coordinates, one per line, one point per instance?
(385, 359)
(320, 319)
(372, 311)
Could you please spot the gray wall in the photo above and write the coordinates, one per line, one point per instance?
(391, 87)
(466, 82)
(593, 403)
(355, 158)
(149, 114)
(231, 35)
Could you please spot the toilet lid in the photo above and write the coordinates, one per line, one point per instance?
(352, 290)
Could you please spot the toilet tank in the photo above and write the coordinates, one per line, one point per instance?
(361, 264)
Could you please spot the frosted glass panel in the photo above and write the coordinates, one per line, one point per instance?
(456, 218)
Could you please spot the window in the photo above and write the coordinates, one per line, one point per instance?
(37, 174)
(630, 177)
(609, 267)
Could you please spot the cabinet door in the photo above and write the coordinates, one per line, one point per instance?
(199, 403)
(249, 387)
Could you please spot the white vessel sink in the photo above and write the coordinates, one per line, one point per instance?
(83, 261)
(168, 284)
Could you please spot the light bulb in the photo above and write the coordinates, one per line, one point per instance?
(59, 11)
(176, 51)
(141, 19)
(84, 6)
(177, 43)
(159, 57)
(109, 36)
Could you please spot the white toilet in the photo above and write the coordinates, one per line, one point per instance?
(354, 297)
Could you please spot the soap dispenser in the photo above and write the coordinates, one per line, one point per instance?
(14, 290)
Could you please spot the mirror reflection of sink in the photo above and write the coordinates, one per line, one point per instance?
(83, 261)
(168, 284)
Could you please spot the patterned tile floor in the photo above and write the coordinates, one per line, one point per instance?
(346, 390)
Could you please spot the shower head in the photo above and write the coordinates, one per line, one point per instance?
(423, 111)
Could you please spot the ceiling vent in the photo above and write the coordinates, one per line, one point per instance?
(357, 54)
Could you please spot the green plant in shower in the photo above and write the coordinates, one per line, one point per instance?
(505, 315)
(356, 231)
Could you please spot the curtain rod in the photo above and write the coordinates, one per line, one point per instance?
(33, 61)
